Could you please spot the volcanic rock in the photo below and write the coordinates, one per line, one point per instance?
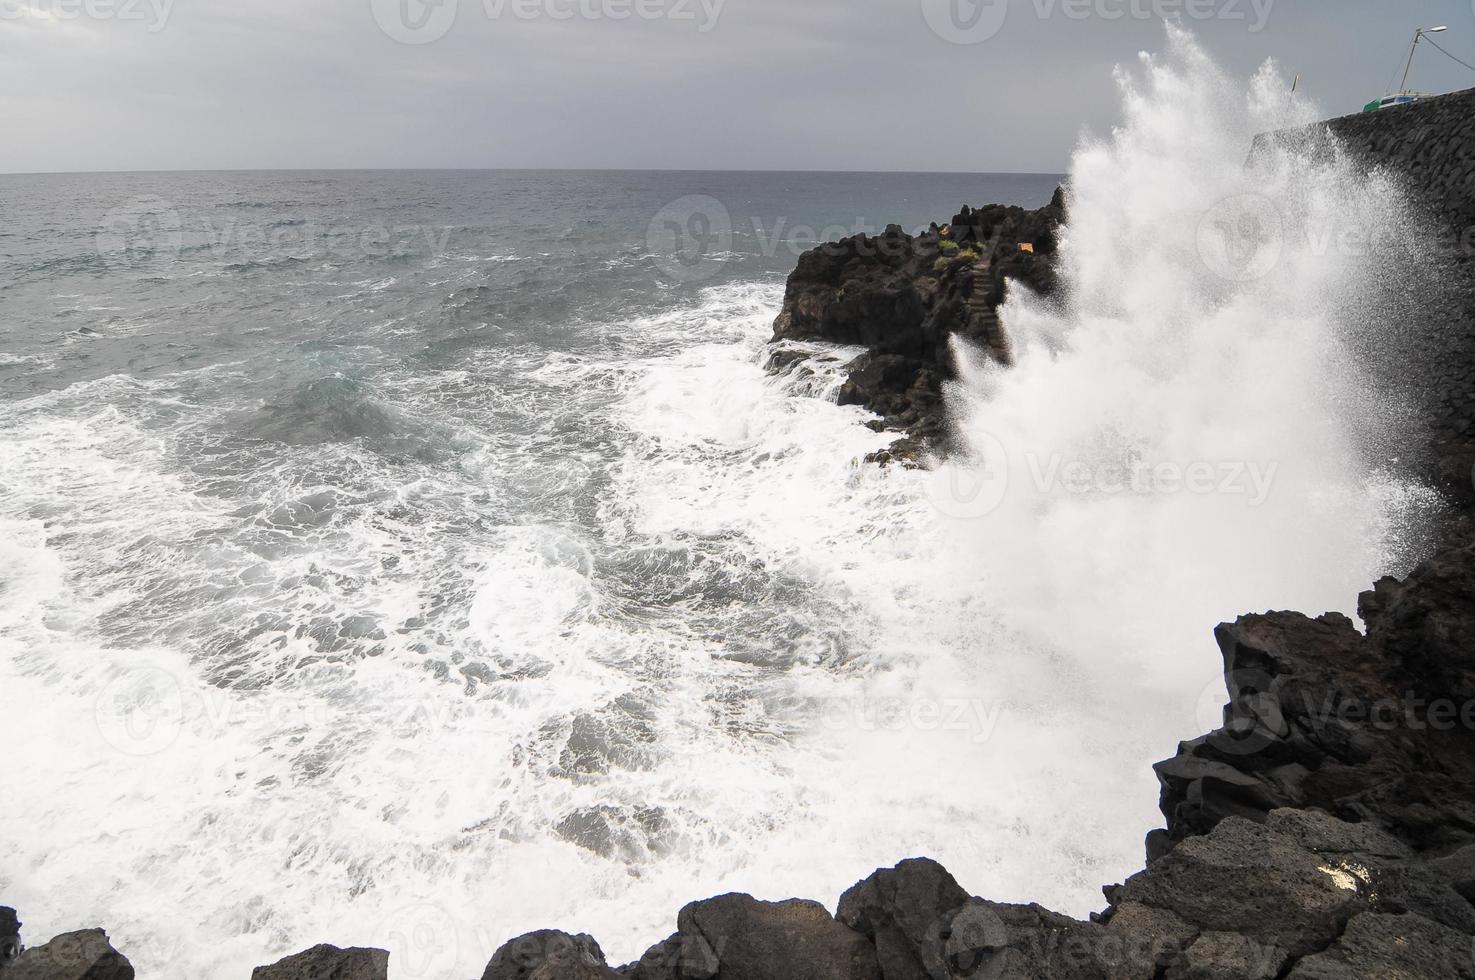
(904, 297)
(328, 963)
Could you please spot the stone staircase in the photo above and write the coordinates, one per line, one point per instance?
(982, 311)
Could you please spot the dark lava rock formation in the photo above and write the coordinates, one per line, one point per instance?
(328, 963)
(904, 297)
(82, 955)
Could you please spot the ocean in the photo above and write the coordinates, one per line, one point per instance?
(391, 539)
(417, 559)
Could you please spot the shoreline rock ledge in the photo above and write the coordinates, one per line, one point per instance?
(904, 297)
(1326, 830)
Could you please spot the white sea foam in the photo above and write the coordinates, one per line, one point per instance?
(480, 676)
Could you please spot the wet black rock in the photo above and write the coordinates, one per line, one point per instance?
(82, 955)
(326, 962)
(1377, 728)
(907, 912)
(904, 297)
(737, 937)
(9, 936)
(549, 955)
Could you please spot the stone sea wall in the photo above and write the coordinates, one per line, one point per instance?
(1426, 313)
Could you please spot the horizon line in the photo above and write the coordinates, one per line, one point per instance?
(657, 170)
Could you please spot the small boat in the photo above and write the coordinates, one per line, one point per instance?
(1404, 96)
(1388, 101)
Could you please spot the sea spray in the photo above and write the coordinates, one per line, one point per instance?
(1190, 431)
(439, 624)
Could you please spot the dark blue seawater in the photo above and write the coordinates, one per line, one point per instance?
(394, 555)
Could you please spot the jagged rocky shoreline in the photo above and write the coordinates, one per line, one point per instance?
(1326, 830)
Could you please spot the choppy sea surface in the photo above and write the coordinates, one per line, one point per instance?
(415, 558)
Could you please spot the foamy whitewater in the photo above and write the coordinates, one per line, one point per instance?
(420, 600)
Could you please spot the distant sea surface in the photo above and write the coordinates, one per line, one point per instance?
(379, 547)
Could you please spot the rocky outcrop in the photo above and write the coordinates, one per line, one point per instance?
(904, 297)
(328, 963)
(83, 955)
(9, 936)
(1378, 729)
(549, 955)
(734, 937)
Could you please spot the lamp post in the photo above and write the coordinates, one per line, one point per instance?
(1418, 35)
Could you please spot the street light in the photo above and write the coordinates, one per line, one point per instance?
(1418, 34)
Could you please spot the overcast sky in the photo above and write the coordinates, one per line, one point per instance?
(683, 84)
